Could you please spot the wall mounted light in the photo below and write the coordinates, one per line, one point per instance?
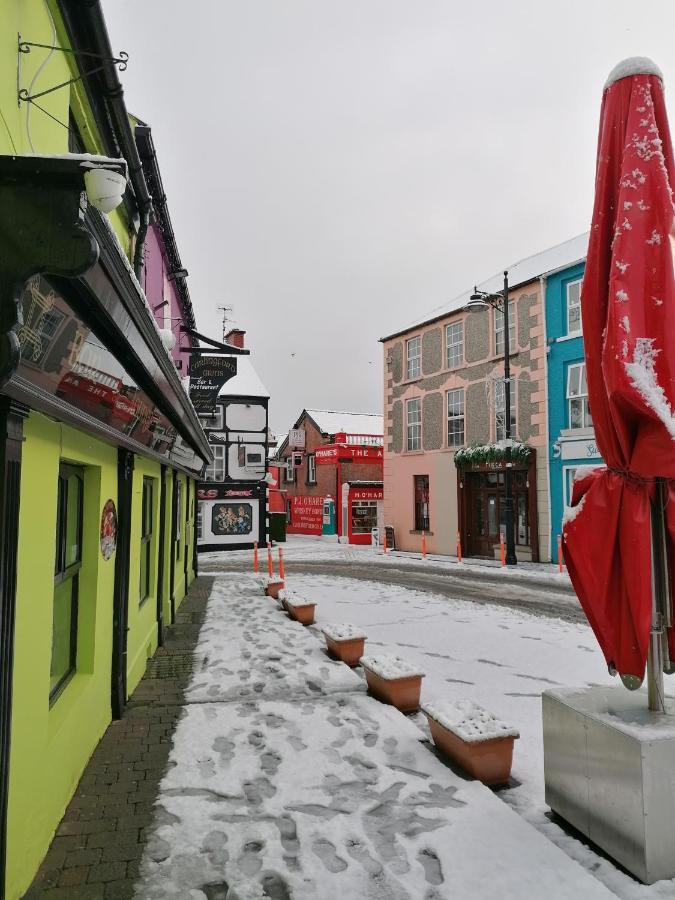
(105, 187)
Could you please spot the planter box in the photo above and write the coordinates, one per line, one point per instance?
(303, 614)
(272, 589)
(393, 681)
(487, 755)
(345, 642)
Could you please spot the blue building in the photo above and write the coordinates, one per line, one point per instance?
(571, 439)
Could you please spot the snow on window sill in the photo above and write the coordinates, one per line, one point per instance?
(569, 337)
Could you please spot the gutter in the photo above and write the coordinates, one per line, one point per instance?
(87, 31)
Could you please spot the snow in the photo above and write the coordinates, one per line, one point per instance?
(245, 383)
(469, 721)
(331, 422)
(390, 667)
(296, 601)
(272, 579)
(522, 272)
(571, 512)
(642, 373)
(634, 65)
(86, 160)
(584, 471)
(345, 632)
(277, 791)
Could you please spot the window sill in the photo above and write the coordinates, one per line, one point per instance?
(450, 370)
(58, 691)
(418, 531)
(570, 434)
(414, 452)
(409, 381)
(568, 337)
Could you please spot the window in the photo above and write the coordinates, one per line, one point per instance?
(499, 329)
(577, 397)
(421, 502)
(146, 539)
(456, 418)
(500, 409)
(66, 576)
(364, 516)
(215, 421)
(454, 345)
(199, 521)
(574, 307)
(311, 469)
(414, 424)
(216, 471)
(413, 357)
(289, 471)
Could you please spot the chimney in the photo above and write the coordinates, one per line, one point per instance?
(235, 337)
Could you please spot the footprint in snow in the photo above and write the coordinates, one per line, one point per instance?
(328, 855)
(431, 865)
(250, 861)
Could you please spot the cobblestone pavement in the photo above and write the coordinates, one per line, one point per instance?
(96, 852)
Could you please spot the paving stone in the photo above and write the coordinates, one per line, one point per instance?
(88, 857)
(124, 852)
(74, 875)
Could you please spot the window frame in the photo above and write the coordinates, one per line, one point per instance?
(570, 284)
(216, 421)
(500, 409)
(289, 470)
(417, 439)
(147, 522)
(421, 521)
(178, 511)
(219, 456)
(458, 417)
(449, 346)
(63, 571)
(311, 468)
(498, 331)
(413, 363)
(586, 418)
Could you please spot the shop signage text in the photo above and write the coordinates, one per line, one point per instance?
(207, 376)
(344, 452)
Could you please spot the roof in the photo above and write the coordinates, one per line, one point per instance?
(522, 272)
(245, 383)
(331, 422)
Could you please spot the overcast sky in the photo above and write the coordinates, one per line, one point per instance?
(336, 168)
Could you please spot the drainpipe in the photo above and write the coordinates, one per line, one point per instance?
(542, 288)
(85, 19)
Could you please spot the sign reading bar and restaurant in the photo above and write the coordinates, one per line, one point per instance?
(207, 376)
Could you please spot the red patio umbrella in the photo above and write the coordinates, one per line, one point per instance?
(624, 513)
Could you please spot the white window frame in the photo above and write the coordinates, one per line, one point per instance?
(289, 470)
(575, 305)
(500, 409)
(454, 439)
(311, 469)
(216, 470)
(578, 394)
(413, 429)
(498, 329)
(413, 361)
(454, 349)
(214, 422)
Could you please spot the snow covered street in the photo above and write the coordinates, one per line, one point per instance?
(287, 781)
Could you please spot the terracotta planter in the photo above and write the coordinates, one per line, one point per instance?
(273, 588)
(302, 614)
(403, 693)
(349, 651)
(489, 761)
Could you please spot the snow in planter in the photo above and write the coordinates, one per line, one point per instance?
(344, 632)
(469, 721)
(390, 667)
(272, 579)
(296, 600)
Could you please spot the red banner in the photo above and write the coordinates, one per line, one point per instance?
(306, 515)
(331, 453)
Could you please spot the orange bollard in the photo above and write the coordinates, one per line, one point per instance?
(459, 548)
(385, 540)
(282, 573)
(255, 557)
(502, 548)
(560, 553)
(424, 545)
(270, 563)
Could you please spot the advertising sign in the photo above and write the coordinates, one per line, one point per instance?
(346, 452)
(306, 515)
(296, 438)
(207, 376)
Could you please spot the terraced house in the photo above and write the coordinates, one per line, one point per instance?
(100, 446)
(444, 402)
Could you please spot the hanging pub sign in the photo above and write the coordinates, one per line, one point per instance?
(207, 376)
(108, 533)
(296, 438)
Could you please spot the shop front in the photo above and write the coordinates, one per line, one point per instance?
(481, 487)
(365, 511)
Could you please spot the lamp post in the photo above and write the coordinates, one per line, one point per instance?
(500, 301)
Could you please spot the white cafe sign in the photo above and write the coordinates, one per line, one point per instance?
(584, 449)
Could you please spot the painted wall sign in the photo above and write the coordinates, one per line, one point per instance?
(108, 532)
(207, 376)
(333, 452)
(306, 515)
(231, 518)
(366, 494)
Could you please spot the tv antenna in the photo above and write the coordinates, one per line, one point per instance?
(225, 310)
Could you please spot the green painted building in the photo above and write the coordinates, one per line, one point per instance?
(100, 447)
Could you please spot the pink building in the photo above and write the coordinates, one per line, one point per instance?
(445, 423)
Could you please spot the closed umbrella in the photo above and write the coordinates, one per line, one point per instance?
(620, 529)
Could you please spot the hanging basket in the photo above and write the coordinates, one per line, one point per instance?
(488, 453)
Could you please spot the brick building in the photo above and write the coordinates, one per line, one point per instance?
(445, 422)
(337, 456)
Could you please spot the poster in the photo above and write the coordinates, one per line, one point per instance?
(231, 519)
(108, 531)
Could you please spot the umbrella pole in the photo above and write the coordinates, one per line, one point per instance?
(658, 657)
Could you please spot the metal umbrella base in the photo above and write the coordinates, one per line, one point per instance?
(609, 769)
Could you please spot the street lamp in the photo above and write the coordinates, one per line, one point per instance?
(480, 300)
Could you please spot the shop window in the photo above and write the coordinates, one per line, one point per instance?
(574, 307)
(289, 470)
(454, 345)
(216, 471)
(500, 409)
(311, 469)
(456, 418)
(66, 576)
(499, 329)
(421, 502)
(364, 516)
(146, 539)
(413, 357)
(414, 424)
(577, 397)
